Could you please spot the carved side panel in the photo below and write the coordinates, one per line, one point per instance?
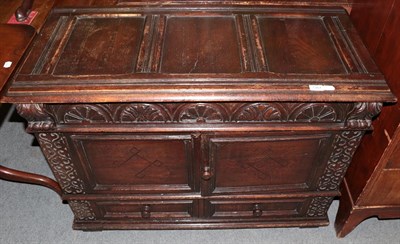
(54, 147)
(344, 146)
(82, 210)
(319, 206)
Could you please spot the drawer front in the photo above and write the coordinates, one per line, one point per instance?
(256, 209)
(126, 163)
(140, 211)
(145, 210)
(264, 162)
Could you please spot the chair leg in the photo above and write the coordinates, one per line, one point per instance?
(25, 177)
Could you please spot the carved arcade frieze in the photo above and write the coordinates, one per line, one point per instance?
(45, 117)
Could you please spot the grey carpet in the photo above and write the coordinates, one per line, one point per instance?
(33, 214)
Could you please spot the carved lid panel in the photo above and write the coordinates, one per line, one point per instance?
(198, 54)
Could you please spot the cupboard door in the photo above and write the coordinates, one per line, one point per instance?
(240, 163)
(148, 163)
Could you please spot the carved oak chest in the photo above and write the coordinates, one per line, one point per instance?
(198, 116)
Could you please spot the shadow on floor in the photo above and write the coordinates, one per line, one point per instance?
(14, 118)
(4, 108)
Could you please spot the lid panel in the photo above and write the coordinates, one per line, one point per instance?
(101, 46)
(299, 45)
(201, 45)
(218, 53)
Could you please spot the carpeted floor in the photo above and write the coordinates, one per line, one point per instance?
(32, 214)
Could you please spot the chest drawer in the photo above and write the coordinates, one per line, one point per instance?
(147, 210)
(256, 209)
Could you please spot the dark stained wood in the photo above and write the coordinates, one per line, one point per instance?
(344, 3)
(371, 28)
(42, 7)
(118, 39)
(139, 163)
(13, 45)
(186, 116)
(372, 181)
(261, 209)
(264, 157)
(216, 49)
(50, 63)
(291, 49)
(146, 210)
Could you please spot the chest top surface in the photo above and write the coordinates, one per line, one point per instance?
(197, 53)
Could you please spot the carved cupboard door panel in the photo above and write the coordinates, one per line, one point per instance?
(128, 163)
(264, 162)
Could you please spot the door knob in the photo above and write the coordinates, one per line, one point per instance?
(257, 211)
(146, 211)
(207, 173)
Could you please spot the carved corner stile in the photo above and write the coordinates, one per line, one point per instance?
(39, 119)
(55, 149)
(319, 206)
(82, 210)
(344, 146)
(361, 115)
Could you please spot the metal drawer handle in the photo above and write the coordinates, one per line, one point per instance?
(257, 211)
(208, 173)
(146, 211)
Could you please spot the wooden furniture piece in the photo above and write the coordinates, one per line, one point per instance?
(372, 183)
(12, 48)
(197, 116)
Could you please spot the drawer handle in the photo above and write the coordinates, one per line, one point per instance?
(257, 211)
(208, 173)
(146, 211)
